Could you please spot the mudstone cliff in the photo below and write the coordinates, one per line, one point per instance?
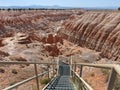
(98, 31)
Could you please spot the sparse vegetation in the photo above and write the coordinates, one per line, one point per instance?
(92, 74)
(106, 72)
(12, 83)
(14, 71)
(2, 70)
(23, 9)
(45, 81)
(34, 88)
(8, 9)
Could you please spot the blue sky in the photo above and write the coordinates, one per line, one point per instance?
(73, 3)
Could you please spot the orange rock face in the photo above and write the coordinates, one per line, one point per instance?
(50, 42)
(1, 26)
(50, 39)
(99, 31)
(57, 38)
(52, 49)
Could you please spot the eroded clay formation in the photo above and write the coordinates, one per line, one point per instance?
(98, 31)
(25, 21)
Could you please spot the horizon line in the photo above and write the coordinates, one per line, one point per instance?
(53, 5)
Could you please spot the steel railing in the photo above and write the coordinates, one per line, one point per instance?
(115, 69)
(79, 82)
(82, 85)
(31, 78)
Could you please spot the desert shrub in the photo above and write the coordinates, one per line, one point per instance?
(2, 70)
(92, 74)
(45, 81)
(107, 73)
(14, 71)
(13, 82)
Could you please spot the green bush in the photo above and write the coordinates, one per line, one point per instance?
(45, 81)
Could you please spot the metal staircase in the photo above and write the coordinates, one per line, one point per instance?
(62, 81)
(65, 72)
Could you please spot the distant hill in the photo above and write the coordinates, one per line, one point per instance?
(101, 8)
(35, 6)
(59, 7)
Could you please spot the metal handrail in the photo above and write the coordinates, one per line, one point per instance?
(115, 69)
(49, 82)
(83, 81)
(31, 78)
(106, 66)
(24, 62)
(25, 81)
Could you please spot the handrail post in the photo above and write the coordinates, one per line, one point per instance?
(80, 74)
(81, 67)
(111, 80)
(71, 66)
(58, 66)
(75, 67)
(36, 73)
(48, 70)
(53, 70)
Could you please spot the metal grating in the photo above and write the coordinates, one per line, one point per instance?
(62, 82)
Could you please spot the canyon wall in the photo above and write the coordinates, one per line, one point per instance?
(34, 31)
(32, 20)
(98, 31)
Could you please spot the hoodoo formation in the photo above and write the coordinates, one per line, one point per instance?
(98, 31)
